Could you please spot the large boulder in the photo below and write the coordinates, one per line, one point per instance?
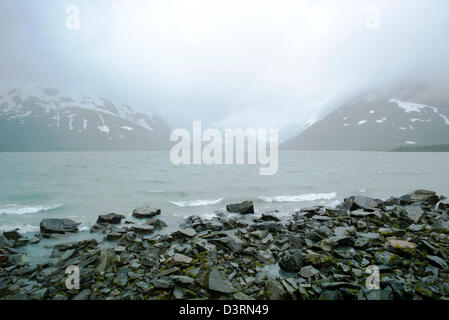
(146, 212)
(59, 226)
(246, 207)
(420, 196)
(111, 218)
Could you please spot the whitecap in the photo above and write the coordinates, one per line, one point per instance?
(196, 203)
(301, 197)
(22, 209)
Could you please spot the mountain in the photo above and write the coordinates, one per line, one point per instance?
(380, 121)
(44, 119)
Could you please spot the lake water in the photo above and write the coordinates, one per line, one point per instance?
(80, 186)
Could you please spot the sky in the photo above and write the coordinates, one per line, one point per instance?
(245, 64)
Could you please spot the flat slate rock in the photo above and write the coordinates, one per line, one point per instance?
(217, 282)
(59, 226)
(146, 212)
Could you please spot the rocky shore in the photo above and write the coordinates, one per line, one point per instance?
(318, 253)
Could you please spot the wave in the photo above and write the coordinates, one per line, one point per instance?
(196, 203)
(17, 209)
(22, 228)
(300, 198)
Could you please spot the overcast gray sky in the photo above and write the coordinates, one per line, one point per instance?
(250, 63)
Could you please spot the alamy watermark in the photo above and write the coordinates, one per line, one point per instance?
(373, 18)
(73, 280)
(259, 145)
(72, 21)
(373, 281)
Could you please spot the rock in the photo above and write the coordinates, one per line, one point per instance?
(318, 260)
(156, 223)
(113, 236)
(443, 204)
(181, 259)
(360, 202)
(437, 261)
(12, 235)
(274, 290)
(59, 226)
(420, 196)
(269, 217)
(146, 212)
(331, 295)
(184, 281)
(401, 246)
(162, 283)
(414, 213)
(291, 261)
(217, 282)
(142, 229)
(246, 207)
(111, 218)
(308, 272)
(184, 233)
(231, 241)
(83, 295)
(4, 242)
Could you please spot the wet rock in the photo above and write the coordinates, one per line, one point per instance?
(420, 196)
(146, 212)
(443, 205)
(12, 235)
(218, 282)
(157, 224)
(245, 207)
(142, 229)
(111, 218)
(59, 226)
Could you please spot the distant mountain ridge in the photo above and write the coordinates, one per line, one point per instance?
(380, 121)
(44, 119)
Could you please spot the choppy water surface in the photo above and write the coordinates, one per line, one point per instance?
(80, 186)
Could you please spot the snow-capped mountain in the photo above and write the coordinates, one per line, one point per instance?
(379, 121)
(45, 119)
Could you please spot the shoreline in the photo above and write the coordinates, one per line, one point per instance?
(318, 253)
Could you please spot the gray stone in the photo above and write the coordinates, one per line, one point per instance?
(414, 213)
(83, 295)
(184, 233)
(59, 226)
(146, 212)
(245, 207)
(111, 218)
(181, 259)
(308, 272)
(218, 282)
